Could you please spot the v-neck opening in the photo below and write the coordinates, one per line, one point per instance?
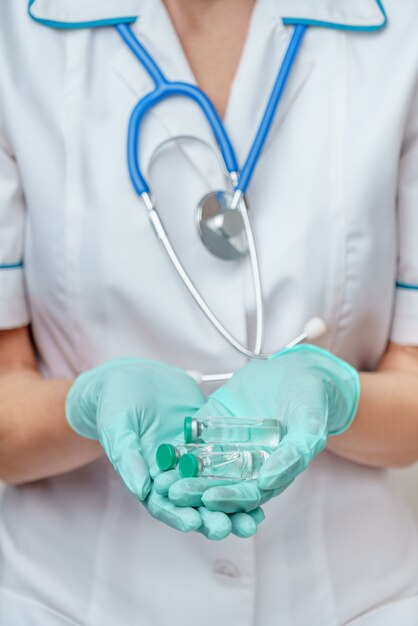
(187, 63)
(263, 48)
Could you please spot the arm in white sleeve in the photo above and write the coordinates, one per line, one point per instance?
(385, 431)
(405, 320)
(13, 303)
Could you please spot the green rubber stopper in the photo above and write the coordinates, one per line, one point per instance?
(166, 457)
(188, 430)
(189, 466)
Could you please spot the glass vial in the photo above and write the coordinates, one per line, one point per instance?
(234, 464)
(168, 455)
(254, 431)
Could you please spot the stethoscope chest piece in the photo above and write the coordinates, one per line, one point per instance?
(221, 228)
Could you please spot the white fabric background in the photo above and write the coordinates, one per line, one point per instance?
(407, 479)
(408, 482)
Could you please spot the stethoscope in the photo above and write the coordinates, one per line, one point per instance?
(221, 217)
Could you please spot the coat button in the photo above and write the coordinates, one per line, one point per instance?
(226, 570)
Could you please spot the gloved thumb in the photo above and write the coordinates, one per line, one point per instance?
(123, 451)
(212, 407)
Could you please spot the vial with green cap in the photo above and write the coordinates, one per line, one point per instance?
(168, 455)
(235, 464)
(251, 431)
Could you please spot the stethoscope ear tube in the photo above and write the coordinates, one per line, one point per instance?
(191, 287)
(314, 329)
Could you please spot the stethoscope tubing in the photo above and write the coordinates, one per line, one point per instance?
(195, 293)
(165, 89)
(257, 146)
(253, 256)
(158, 95)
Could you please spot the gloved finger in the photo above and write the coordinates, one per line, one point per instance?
(125, 455)
(306, 435)
(290, 458)
(189, 491)
(164, 480)
(240, 497)
(212, 407)
(154, 471)
(215, 525)
(183, 519)
(243, 525)
(257, 515)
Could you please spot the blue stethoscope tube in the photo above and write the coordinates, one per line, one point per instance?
(165, 89)
(240, 180)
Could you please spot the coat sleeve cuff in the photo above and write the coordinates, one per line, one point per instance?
(405, 320)
(14, 310)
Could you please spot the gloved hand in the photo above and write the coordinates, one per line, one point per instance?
(313, 394)
(242, 524)
(132, 406)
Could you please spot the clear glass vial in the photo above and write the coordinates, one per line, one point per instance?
(234, 464)
(168, 455)
(254, 431)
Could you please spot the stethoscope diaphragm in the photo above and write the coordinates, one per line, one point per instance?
(221, 227)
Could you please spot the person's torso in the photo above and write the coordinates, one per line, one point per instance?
(323, 206)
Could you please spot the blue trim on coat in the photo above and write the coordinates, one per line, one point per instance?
(409, 286)
(286, 21)
(72, 25)
(11, 266)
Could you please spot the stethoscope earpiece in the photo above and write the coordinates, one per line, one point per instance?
(313, 329)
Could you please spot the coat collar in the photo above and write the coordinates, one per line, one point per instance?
(363, 15)
(67, 14)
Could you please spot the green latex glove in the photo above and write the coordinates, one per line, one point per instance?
(132, 406)
(313, 394)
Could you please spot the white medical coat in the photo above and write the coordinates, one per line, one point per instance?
(334, 202)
